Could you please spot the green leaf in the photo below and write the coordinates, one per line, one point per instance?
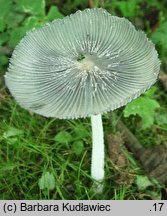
(80, 131)
(18, 33)
(34, 7)
(63, 137)
(3, 60)
(161, 118)
(78, 147)
(54, 13)
(76, 3)
(2, 25)
(128, 10)
(13, 19)
(4, 37)
(160, 35)
(145, 108)
(5, 6)
(143, 182)
(12, 132)
(151, 92)
(32, 22)
(47, 181)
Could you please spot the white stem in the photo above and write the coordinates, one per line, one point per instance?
(97, 165)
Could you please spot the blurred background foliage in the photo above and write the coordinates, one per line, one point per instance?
(19, 16)
(50, 159)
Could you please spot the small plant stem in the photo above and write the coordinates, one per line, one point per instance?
(97, 165)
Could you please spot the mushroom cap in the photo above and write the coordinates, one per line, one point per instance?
(85, 64)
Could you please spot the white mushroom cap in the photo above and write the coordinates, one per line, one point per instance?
(87, 63)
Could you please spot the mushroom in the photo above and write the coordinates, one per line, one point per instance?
(83, 65)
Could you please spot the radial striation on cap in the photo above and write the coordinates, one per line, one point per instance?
(87, 63)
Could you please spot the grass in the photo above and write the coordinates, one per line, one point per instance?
(29, 149)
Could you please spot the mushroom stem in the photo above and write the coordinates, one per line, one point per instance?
(97, 165)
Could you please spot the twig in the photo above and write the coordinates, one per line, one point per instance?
(131, 141)
(163, 79)
(96, 3)
(153, 159)
(102, 3)
(91, 3)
